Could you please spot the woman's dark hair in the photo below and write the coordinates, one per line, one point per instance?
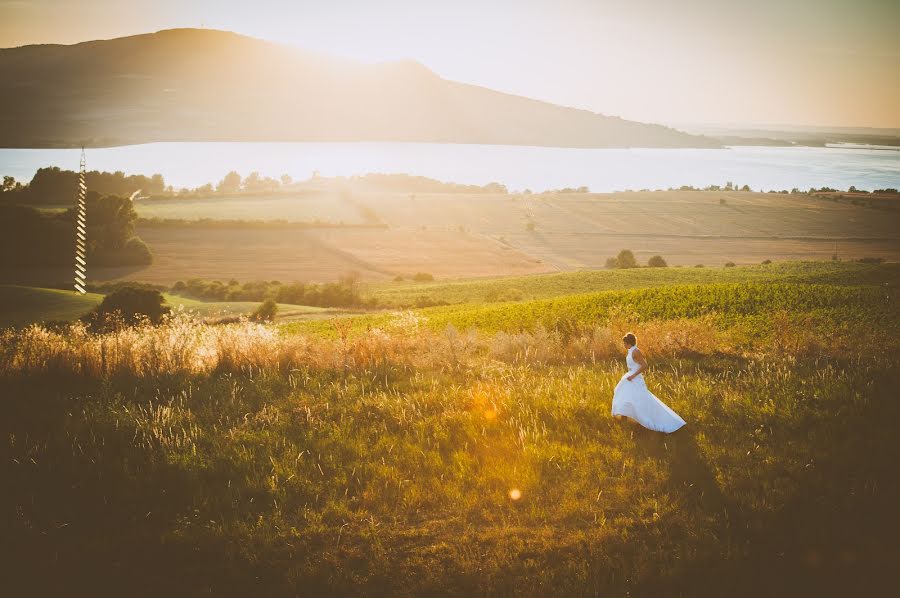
(630, 339)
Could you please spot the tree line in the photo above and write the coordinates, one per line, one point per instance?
(343, 293)
(30, 237)
(54, 186)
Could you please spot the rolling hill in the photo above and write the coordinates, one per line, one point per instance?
(207, 85)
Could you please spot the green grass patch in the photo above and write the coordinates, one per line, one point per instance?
(21, 305)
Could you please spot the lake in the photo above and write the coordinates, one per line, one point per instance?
(191, 164)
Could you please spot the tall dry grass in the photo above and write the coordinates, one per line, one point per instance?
(184, 345)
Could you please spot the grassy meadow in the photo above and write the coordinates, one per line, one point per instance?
(32, 305)
(468, 448)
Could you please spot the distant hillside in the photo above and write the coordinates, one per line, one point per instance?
(205, 85)
(797, 135)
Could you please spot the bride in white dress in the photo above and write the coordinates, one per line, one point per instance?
(632, 399)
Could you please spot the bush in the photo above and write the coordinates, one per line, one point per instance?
(127, 306)
(699, 266)
(530, 226)
(265, 312)
(870, 260)
(423, 277)
(766, 262)
(427, 301)
(135, 252)
(729, 264)
(657, 261)
(496, 295)
(611, 263)
(625, 259)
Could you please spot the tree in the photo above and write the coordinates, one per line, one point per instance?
(286, 180)
(495, 188)
(625, 259)
(230, 184)
(9, 183)
(657, 261)
(157, 185)
(30, 237)
(253, 182)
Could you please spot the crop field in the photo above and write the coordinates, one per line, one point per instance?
(468, 449)
(380, 236)
(510, 288)
(308, 206)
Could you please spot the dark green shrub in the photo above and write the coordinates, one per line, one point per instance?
(657, 261)
(127, 306)
(135, 252)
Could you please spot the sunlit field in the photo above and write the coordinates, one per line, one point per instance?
(467, 448)
(377, 299)
(320, 236)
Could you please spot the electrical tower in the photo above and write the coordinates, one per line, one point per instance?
(81, 233)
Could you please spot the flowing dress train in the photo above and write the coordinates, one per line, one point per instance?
(634, 400)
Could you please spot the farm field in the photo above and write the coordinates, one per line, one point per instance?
(301, 206)
(511, 288)
(464, 235)
(469, 446)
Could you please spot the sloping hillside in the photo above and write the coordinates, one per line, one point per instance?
(193, 85)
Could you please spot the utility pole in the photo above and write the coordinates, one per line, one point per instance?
(81, 233)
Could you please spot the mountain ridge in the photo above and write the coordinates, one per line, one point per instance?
(211, 85)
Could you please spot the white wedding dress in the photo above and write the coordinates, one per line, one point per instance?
(633, 400)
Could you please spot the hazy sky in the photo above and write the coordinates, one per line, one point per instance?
(811, 62)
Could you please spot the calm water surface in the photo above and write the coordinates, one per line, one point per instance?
(535, 168)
